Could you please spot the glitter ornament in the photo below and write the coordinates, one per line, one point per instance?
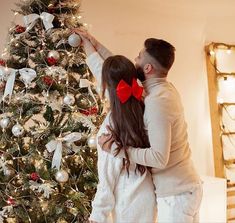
(62, 176)
(74, 40)
(92, 141)
(69, 99)
(54, 54)
(17, 130)
(4, 122)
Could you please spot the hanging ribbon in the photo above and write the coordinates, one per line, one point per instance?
(56, 145)
(86, 83)
(47, 19)
(26, 75)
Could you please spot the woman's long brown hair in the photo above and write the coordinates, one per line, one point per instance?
(127, 125)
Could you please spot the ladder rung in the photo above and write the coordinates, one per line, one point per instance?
(231, 206)
(231, 193)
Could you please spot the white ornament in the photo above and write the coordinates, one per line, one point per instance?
(17, 130)
(74, 40)
(69, 99)
(62, 176)
(27, 75)
(4, 122)
(92, 141)
(54, 54)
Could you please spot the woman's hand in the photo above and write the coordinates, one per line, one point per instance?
(93, 221)
(85, 35)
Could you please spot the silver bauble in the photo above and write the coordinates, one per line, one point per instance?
(92, 141)
(74, 40)
(54, 54)
(69, 99)
(17, 130)
(9, 172)
(4, 122)
(62, 176)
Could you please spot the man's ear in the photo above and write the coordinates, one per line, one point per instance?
(148, 68)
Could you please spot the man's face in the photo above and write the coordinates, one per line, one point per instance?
(139, 65)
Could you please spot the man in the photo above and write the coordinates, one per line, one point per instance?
(178, 187)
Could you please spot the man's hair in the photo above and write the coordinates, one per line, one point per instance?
(162, 51)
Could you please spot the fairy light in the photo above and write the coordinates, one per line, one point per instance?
(212, 52)
(229, 51)
(220, 100)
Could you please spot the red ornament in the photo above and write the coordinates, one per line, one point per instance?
(20, 29)
(51, 9)
(51, 61)
(90, 111)
(2, 62)
(47, 80)
(34, 176)
(11, 201)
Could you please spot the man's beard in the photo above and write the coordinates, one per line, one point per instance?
(140, 74)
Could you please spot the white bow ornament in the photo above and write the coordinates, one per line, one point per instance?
(56, 145)
(26, 75)
(47, 19)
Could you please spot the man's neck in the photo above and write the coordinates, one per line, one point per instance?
(155, 75)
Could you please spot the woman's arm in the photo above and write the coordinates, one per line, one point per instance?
(100, 48)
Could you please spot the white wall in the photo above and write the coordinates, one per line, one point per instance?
(123, 25)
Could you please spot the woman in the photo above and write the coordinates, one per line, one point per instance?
(125, 192)
(124, 188)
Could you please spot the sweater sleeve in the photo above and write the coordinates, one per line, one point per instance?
(109, 169)
(159, 131)
(95, 63)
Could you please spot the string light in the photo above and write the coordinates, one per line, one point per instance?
(212, 52)
(229, 51)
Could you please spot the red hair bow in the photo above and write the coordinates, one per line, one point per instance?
(125, 91)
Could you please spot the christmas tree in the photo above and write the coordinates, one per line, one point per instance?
(49, 115)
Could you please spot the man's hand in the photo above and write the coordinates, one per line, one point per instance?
(105, 141)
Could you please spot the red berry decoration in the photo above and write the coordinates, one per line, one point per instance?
(90, 111)
(47, 80)
(2, 62)
(11, 201)
(34, 176)
(51, 61)
(20, 29)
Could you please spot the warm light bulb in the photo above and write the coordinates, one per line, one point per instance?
(229, 51)
(220, 100)
(212, 52)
